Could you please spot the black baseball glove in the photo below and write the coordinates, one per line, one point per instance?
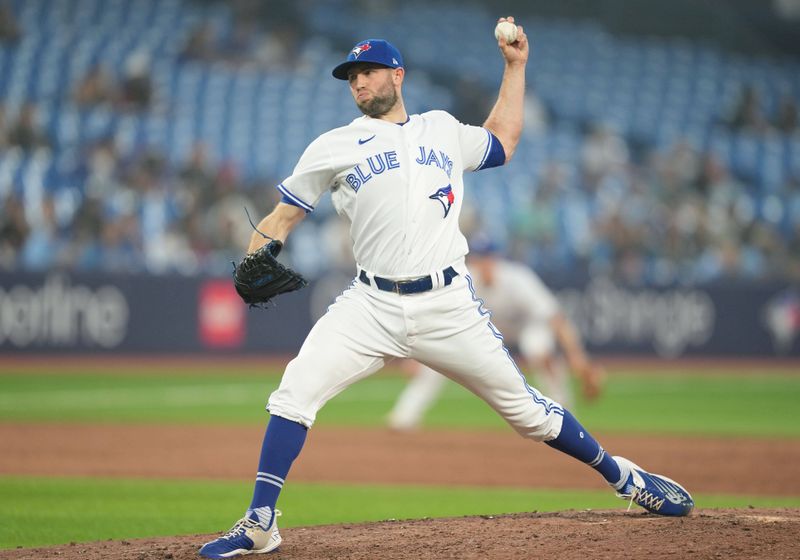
(260, 277)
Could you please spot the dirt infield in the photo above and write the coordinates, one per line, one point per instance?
(600, 535)
(476, 458)
(704, 465)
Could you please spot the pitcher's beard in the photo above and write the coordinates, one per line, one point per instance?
(379, 105)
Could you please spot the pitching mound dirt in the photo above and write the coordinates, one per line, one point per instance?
(435, 457)
(600, 535)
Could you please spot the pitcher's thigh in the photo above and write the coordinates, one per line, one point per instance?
(476, 358)
(347, 344)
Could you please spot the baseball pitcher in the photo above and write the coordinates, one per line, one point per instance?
(397, 180)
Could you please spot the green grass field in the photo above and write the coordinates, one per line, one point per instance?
(669, 402)
(680, 403)
(94, 509)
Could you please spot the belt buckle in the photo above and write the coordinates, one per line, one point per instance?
(398, 284)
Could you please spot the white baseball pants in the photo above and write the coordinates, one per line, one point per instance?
(445, 328)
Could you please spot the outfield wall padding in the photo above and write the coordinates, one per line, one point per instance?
(61, 313)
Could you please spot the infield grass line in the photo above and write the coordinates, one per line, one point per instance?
(687, 403)
(82, 509)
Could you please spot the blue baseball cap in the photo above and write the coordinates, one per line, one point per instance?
(377, 51)
(481, 245)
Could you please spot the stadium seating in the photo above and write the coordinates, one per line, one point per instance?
(652, 91)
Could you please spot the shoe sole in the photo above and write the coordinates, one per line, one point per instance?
(274, 543)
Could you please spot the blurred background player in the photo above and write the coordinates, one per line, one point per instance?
(528, 316)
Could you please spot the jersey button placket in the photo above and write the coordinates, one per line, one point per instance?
(409, 210)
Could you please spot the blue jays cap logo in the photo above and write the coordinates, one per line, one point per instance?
(446, 197)
(358, 49)
(377, 51)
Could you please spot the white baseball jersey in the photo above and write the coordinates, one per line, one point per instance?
(400, 186)
(518, 299)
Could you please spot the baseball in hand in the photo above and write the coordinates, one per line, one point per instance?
(507, 30)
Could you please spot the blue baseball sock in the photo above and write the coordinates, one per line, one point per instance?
(282, 444)
(576, 442)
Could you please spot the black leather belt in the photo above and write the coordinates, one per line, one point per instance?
(415, 286)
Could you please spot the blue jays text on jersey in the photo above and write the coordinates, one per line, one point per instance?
(381, 177)
(377, 163)
(429, 157)
(382, 161)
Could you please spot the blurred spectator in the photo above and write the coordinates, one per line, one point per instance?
(536, 117)
(10, 31)
(764, 254)
(720, 260)
(120, 245)
(603, 152)
(793, 255)
(715, 181)
(748, 113)
(790, 196)
(729, 207)
(44, 246)
(534, 226)
(684, 165)
(279, 49)
(83, 250)
(227, 227)
(26, 133)
(3, 128)
(101, 166)
(274, 15)
(191, 224)
(136, 90)
(14, 231)
(240, 45)
(94, 89)
(148, 215)
(200, 46)
(786, 119)
(474, 102)
(247, 10)
(197, 177)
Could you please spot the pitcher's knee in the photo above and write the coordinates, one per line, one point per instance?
(297, 398)
(542, 428)
(294, 402)
(279, 405)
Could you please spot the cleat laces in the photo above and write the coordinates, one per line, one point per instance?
(246, 523)
(641, 496)
(240, 527)
(647, 500)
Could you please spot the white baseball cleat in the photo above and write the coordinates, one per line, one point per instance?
(247, 536)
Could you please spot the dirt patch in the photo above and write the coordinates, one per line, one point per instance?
(600, 535)
(477, 458)
(489, 458)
